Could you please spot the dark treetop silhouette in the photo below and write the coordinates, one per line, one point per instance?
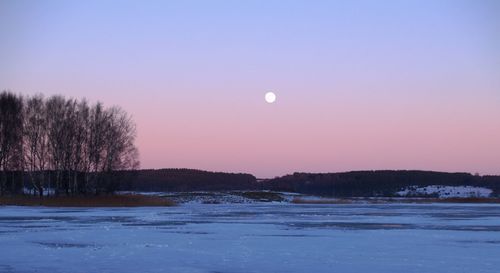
(63, 144)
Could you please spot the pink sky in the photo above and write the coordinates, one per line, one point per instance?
(360, 86)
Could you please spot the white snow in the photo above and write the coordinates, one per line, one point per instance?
(212, 197)
(269, 237)
(32, 191)
(446, 191)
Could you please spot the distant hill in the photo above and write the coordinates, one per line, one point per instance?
(186, 180)
(343, 184)
(375, 183)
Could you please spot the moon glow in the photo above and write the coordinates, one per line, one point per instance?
(270, 97)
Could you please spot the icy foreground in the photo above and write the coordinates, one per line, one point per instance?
(252, 238)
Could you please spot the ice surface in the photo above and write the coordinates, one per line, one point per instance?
(252, 238)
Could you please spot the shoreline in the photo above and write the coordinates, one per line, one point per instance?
(129, 200)
(166, 199)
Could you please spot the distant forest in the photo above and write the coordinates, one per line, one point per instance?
(375, 183)
(185, 180)
(63, 144)
(346, 184)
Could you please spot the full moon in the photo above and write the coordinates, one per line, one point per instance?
(270, 97)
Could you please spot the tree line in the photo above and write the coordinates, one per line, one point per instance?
(179, 180)
(375, 183)
(65, 146)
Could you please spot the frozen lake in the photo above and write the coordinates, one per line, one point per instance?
(252, 238)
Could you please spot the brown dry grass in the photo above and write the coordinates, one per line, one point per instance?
(87, 201)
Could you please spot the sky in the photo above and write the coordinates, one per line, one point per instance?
(360, 85)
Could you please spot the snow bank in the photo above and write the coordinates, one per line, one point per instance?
(220, 197)
(446, 191)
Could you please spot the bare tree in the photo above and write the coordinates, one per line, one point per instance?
(55, 116)
(36, 144)
(83, 146)
(69, 131)
(11, 117)
(119, 150)
(81, 139)
(97, 138)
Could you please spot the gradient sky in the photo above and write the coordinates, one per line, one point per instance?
(360, 84)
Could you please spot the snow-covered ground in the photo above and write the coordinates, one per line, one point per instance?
(221, 197)
(262, 237)
(446, 191)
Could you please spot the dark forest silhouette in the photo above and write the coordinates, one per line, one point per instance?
(63, 144)
(375, 183)
(343, 184)
(185, 180)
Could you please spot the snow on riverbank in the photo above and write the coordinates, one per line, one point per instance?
(446, 191)
(254, 197)
(221, 197)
